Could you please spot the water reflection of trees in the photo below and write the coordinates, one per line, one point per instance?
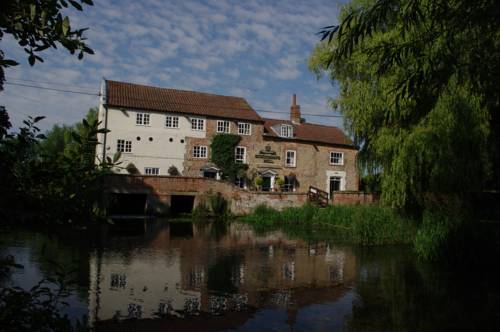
(52, 254)
(398, 293)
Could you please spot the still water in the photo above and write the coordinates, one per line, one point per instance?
(184, 277)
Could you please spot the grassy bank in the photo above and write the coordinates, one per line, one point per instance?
(367, 225)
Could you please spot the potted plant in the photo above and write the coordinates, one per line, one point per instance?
(131, 169)
(279, 182)
(258, 182)
(173, 171)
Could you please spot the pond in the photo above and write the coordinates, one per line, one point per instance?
(213, 277)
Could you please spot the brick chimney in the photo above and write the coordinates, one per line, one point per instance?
(295, 111)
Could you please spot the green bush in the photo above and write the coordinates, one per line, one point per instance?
(173, 171)
(200, 212)
(356, 224)
(219, 205)
(437, 230)
(222, 150)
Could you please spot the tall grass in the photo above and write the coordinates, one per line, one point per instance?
(219, 207)
(367, 225)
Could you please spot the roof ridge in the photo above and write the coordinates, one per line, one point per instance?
(190, 91)
(304, 123)
(321, 125)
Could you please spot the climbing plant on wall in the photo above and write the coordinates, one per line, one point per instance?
(222, 154)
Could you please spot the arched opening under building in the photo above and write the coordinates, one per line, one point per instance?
(127, 204)
(181, 204)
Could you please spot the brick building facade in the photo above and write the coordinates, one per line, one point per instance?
(156, 128)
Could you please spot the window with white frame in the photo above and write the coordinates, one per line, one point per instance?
(336, 158)
(240, 154)
(200, 151)
(171, 121)
(222, 126)
(291, 158)
(197, 124)
(151, 171)
(286, 131)
(123, 145)
(142, 119)
(244, 128)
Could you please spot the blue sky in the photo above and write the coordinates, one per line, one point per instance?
(254, 49)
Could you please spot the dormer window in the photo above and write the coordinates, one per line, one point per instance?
(286, 131)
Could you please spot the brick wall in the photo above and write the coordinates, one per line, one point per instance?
(160, 189)
(312, 164)
(245, 202)
(192, 165)
(354, 198)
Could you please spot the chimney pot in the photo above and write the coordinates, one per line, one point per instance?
(295, 111)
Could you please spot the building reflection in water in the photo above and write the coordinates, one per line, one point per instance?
(239, 271)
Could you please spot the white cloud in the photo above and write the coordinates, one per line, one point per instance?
(202, 63)
(233, 73)
(258, 83)
(256, 49)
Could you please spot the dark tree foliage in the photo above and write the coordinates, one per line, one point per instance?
(418, 87)
(173, 171)
(447, 37)
(5, 124)
(222, 153)
(39, 308)
(38, 25)
(49, 185)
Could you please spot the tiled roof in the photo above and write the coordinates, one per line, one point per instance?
(310, 133)
(135, 96)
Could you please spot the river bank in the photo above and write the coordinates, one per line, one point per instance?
(440, 234)
(364, 225)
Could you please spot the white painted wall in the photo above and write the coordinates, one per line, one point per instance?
(159, 152)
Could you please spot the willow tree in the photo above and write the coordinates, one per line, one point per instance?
(417, 90)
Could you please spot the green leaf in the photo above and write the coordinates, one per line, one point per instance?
(32, 12)
(117, 156)
(8, 63)
(65, 26)
(76, 137)
(76, 5)
(103, 131)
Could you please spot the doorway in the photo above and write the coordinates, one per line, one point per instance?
(266, 183)
(268, 178)
(210, 174)
(335, 184)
